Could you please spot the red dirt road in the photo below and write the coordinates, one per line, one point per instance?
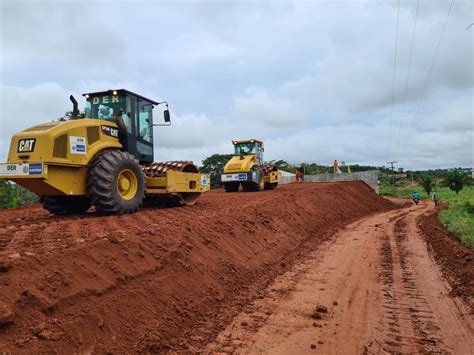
(380, 290)
(175, 279)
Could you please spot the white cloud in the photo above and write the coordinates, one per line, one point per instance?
(190, 50)
(68, 33)
(21, 108)
(258, 107)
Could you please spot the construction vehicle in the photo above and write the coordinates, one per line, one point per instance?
(105, 160)
(247, 168)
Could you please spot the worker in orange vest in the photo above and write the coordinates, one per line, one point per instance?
(298, 175)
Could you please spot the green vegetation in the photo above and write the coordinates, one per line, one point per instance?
(7, 195)
(456, 180)
(458, 219)
(12, 195)
(427, 182)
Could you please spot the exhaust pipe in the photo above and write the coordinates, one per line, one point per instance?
(75, 109)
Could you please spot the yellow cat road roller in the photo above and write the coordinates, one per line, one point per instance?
(104, 159)
(247, 168)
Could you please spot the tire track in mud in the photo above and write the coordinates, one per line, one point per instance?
(411, 327)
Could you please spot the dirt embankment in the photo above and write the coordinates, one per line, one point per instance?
(162, 278)
(456, 260)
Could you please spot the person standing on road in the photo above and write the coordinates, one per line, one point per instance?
(298, 175)
(434, 197)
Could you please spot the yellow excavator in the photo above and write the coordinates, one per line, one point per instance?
(105, 159)
(247, 169)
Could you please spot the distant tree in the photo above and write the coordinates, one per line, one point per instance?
(456, 180)
(314, 169)
(7, 194)
(214, 165)
(427, 182)
(68, 116)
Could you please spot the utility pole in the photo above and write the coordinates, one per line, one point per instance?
(393, 173)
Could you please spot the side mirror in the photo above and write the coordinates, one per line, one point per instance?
(166, 115)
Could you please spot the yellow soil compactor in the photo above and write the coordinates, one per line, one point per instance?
(104, 160)
(247, 168)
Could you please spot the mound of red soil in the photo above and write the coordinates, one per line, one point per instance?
(160, 279)
(456, 260)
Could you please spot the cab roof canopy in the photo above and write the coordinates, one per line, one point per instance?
(119, 92)
(247, 141)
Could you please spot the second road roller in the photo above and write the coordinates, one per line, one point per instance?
(247, 168)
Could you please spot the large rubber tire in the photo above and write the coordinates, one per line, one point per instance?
(252, 186)
(62, 205)
(104, 183)
(232, 187)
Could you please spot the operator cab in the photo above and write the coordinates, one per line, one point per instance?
(132, 113)
(249, 147)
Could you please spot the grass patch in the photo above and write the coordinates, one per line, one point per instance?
(460, 223)
(458, 219)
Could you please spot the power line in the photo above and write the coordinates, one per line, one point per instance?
(393, 172)
(408, 78)
(431, 69)
(393, 81)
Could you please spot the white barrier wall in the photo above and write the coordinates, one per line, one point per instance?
(287, 179)
(371, 178)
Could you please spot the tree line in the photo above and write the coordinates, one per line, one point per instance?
(455, 180)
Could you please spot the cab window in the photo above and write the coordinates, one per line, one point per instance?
(145, 132)
(105, 107)
(245, 148)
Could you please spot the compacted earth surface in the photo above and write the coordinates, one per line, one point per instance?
(371, 289)
(311, 267)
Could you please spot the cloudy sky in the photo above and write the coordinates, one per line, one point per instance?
(313, 79)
